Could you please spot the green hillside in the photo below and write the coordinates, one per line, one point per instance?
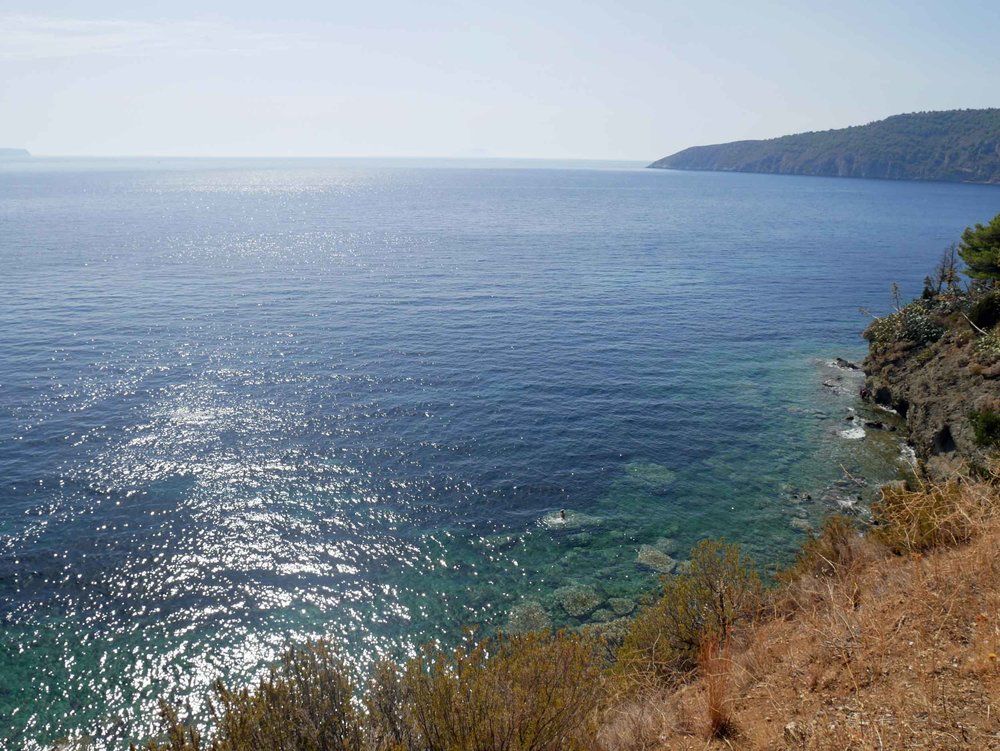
(956, 146)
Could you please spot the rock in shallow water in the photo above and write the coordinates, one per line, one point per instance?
(528, 615)
(621, 605)
(666, 545)
(573, 520)
(577, 600)
(656, 559)
(845, 364)
(652, 475)
(601, 615)
(612, 632)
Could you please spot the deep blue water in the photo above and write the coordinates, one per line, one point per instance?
(247, 402)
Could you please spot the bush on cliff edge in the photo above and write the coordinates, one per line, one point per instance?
(531, 692)
(719, 591)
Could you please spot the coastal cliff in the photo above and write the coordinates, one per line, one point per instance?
(935, 367)
(953, 146)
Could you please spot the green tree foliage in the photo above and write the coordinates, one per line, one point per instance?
(984, 311)
(980, 249)
(719, 590)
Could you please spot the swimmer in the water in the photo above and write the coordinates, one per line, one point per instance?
(562, 514)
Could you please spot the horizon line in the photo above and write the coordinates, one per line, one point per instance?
(34, 155)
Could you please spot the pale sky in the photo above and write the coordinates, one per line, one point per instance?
(601, 80)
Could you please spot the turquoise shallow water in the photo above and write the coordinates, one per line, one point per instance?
(248, 402)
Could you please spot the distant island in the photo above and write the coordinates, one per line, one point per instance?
(14, 154)
(953, 146)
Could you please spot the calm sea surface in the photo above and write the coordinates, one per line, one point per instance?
(243, 403)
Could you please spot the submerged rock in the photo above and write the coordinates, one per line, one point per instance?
(611, 632)
(578, 600)
(802, 525)
(621, 605)
(879, 425)
(528, 615)
(656, 559)
(667, 545)
(601, 615)
(501, 542)
(654, 476)
(573, 520)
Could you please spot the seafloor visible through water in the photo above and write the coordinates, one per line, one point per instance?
(243, 403)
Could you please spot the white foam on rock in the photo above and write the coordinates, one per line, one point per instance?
(852, 434)
(907, 454)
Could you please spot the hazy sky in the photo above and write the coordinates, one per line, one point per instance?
(619, 80)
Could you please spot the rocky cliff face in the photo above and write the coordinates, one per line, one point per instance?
(935, 388)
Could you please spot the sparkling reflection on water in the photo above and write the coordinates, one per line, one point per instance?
(247, 403)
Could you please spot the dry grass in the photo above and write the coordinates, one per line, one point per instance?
(873, 651)
(532, 692)
(715, 668)
(639, 722)
(935, 513)
(833, 552)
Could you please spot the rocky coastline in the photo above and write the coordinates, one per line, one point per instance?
(936, 388)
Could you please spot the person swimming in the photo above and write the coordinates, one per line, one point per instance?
(562, 514)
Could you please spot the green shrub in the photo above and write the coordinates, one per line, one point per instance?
(718, 591)
(986, 427)
(530, 692)
(389, 710)
(305, 703)
(984, 311)
(910, 324)
(830, 553)
(987, 347)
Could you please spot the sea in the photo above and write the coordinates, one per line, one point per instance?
(245, 403)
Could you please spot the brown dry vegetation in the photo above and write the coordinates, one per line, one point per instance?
(862, 650)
